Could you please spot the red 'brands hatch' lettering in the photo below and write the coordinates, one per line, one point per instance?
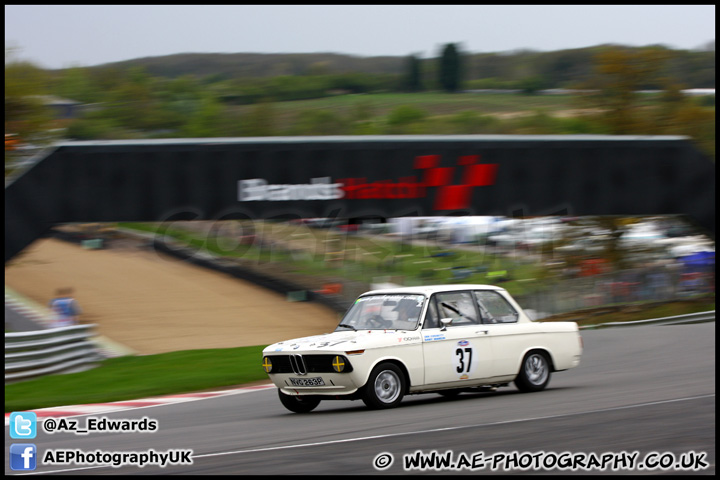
(360, 188)
(447, 196)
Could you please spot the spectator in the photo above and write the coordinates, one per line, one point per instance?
(65, 308)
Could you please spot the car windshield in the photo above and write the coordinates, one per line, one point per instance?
(383, 312)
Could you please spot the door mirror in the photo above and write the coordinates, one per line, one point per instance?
(445, 322)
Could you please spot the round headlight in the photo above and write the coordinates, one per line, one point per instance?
(267, 364)
(338, 363)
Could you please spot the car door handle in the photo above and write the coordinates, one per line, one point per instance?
(482, 331)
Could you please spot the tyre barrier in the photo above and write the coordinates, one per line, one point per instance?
(54, 350)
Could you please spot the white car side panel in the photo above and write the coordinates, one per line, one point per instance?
(459, 355)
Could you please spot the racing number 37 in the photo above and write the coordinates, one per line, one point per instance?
(464, 359)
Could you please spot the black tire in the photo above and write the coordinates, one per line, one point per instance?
(298, 403)
(385, 387)
(534, 372)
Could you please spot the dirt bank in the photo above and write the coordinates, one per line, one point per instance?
(154, 304)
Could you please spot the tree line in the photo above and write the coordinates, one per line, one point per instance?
(556, 69)
(156, 98)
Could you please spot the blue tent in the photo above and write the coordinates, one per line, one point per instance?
(699, 259)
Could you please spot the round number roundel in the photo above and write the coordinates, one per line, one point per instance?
(463, 359)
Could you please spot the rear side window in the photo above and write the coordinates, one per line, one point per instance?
(494, 308)
(457, 305)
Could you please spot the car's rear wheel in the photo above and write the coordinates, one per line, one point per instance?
(385, 387)
(298, 403)
(534, 372)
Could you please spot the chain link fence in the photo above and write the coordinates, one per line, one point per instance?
(619, 288)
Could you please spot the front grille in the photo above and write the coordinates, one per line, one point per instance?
(305, 364)
(298, 365)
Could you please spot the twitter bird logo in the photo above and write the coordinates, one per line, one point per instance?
(23, 425)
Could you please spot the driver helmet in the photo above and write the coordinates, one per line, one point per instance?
(407, 306)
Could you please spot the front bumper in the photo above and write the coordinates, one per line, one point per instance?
(333, 384)
(329, 374)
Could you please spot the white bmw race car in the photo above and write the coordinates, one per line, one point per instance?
(442, 338)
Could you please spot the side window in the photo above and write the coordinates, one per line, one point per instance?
(460, 306)
(494, 308)
(431, 317)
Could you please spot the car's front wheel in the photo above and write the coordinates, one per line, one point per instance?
(298, 403)
(534, 372)
(385, 387)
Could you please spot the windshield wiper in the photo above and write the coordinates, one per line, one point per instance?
(348, 326)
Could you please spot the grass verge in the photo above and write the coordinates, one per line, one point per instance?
(133, 377)
(361, 257)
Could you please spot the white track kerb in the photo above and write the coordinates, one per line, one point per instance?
(100, 408)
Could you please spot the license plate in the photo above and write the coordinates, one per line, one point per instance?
(307, 382)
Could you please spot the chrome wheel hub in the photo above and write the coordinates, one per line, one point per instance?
(387, 386)
(537, 369)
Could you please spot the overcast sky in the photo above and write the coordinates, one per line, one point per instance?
(58, 36)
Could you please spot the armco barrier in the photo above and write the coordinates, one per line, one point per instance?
(708, 316)
(55, 350)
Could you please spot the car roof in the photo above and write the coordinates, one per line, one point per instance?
(430, 289)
